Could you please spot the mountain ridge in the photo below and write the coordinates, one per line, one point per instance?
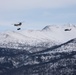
(52, 34)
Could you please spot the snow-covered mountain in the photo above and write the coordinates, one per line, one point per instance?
(50, 51)
(56, 60)
(49, 36)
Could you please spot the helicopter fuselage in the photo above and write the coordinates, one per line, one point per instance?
(18, 24)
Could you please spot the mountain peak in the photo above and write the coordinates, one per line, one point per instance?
(48, 27)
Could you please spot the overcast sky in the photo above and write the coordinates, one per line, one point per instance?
(35, 14)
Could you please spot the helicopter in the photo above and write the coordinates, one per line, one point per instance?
(18, 24)
(18, 28)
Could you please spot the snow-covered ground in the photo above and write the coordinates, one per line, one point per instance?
(52, 34)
